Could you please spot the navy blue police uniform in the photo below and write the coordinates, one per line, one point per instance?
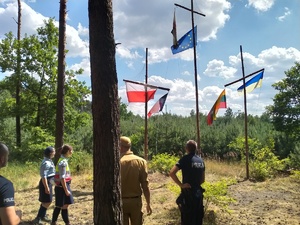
(190, 201)
(7, 193)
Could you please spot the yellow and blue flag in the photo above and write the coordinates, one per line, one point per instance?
(251, 84)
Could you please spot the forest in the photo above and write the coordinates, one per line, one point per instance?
(278, 128)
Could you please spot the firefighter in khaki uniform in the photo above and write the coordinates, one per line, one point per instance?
(134, 182)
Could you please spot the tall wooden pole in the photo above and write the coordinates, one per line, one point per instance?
(196, 80)
(195, 71)
(146, 109)
(246, 123)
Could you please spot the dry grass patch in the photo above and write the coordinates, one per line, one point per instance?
(275, 201)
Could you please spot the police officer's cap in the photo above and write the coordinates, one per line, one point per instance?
(48, 150)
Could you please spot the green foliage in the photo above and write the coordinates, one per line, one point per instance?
(21, 174)
(296, 175)
(162, 163)
(295, 157)
(35, 141)
(216, 193)
(167, 133)
(286, 108)
(80, 162)
(37, 106)
(263, 163)
(82, 138)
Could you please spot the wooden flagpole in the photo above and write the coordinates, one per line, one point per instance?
(246, 117)
(245, 109)
(195, 72)
(146, 109)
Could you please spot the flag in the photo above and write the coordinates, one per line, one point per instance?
(220, 103)
(158, 106)
(185, 42)
(174, 32)
(251, 84)
(136, 92)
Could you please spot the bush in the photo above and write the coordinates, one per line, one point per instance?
(216, 193)
(265, 164)
(81, 162)
(295, 157)
(296, 175)
(162, 163)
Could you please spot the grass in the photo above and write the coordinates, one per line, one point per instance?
(163, 196)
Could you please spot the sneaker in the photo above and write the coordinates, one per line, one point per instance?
(46, 219)
(37, 221)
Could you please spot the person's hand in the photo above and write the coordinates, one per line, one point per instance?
(148, 209)
(185, 185)
(19, 213)
(68, 193)
(47, 191)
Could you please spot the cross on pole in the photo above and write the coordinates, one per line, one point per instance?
(195, 70)
(245, 109)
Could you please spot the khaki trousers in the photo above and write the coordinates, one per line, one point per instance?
(132, 211)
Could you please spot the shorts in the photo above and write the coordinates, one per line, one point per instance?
(61, 198)
(43, 196)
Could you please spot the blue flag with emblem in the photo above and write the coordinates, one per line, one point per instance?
(185, 42)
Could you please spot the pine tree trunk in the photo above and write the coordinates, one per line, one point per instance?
(59, 136)
(106, 121)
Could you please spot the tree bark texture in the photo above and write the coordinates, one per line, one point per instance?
(60, 105)
(106, 119)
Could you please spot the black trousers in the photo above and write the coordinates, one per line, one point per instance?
(191, 207)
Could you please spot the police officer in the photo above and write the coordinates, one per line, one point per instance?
(190, 201)
(63, 193)
(47, 172)
(8, 214)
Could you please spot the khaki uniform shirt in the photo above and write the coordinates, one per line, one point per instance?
(134, 175)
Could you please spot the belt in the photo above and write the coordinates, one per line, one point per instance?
(131, 197)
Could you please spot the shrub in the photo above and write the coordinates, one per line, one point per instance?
(296, 175)
(81, 162)
(265, 164)
(216, 193)
(162, 163)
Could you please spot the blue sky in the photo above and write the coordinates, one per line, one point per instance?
(267, 30)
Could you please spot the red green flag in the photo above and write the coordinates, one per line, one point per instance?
(220, 103)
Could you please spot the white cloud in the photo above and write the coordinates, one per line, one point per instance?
(261, 5)
(286, 13)
(84, 64)
(216, 68)
(32, 20)
(186, 73)
(82, 31)
(135, 26)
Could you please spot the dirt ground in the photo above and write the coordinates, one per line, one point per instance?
(274, 202)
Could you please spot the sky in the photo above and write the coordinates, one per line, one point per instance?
(267, 31)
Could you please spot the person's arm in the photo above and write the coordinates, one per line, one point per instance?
(62, 174)
(145, 186)
(173, 175)
(203, 178)
(9, 216)
(146, 192)
(45, 183)
(44, 172)
(64, 185)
